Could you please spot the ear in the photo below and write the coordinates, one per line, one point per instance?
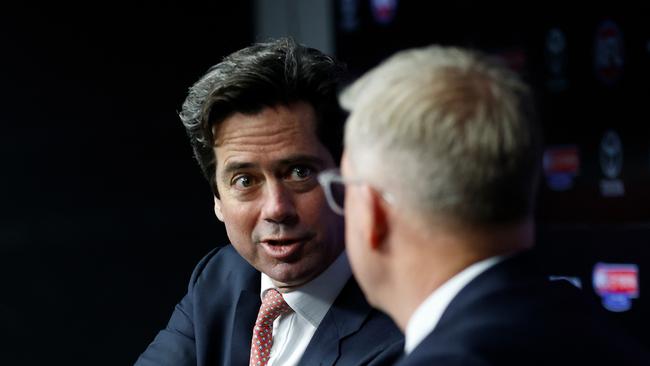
(378, 225)
(217, 208)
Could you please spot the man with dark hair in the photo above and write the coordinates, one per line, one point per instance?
(263, 123)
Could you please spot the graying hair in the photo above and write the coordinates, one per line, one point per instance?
(449, 131)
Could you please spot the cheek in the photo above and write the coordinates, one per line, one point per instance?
(353, 241)
(359, 260)
(317, 217)
(240, 223)
(353, 228)
(354, 237)
(312, 208)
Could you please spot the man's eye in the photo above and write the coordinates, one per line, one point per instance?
(243, 181)
(301, 173)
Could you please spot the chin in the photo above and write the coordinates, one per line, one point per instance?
(289, 276)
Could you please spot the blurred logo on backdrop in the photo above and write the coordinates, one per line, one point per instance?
(556, 60)
(608, 52)
(561, 165)
(383, 11)
(611, 164)
(349, 15)
(617, 285)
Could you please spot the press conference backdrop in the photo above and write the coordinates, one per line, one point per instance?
(591, 78)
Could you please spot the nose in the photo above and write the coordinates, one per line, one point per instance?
(279, 206)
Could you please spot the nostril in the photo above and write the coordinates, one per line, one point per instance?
(289, 220)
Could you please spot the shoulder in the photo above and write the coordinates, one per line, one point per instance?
(223, 264)
(535, 318)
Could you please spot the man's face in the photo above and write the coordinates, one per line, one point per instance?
(356, 222)
(275, 212)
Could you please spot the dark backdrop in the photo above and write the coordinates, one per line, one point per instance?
(103, 211)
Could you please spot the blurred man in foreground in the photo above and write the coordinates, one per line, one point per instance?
(440, 167)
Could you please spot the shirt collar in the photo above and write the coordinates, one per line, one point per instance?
(313, 299)
(425, 318)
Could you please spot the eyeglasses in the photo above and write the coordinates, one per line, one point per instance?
(334, 186)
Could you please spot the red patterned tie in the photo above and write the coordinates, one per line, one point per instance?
(273, 305)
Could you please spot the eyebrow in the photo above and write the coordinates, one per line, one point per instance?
(234, 166)
(302, 159)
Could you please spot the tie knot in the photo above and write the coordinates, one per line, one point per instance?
(273, 305)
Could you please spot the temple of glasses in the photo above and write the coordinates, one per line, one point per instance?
(328, 178)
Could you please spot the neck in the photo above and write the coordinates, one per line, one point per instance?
(429, 258)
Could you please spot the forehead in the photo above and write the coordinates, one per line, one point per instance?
(273, 133)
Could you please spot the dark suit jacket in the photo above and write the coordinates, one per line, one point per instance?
(512, 315)
(213, 323)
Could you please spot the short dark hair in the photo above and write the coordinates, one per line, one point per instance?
(268, 74)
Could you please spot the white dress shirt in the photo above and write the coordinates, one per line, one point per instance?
(425, 318)
(292, 332)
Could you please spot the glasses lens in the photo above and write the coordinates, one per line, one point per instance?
(338, 194)
(334, 189)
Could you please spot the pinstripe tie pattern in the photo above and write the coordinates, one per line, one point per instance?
(273, 305)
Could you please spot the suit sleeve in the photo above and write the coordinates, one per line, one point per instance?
(175, 345)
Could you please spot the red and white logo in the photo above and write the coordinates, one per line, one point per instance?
(562, 159)
(616, 284)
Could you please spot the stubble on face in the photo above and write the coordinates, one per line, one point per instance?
(274, 210)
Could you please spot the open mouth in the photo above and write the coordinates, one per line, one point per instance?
(282, 249)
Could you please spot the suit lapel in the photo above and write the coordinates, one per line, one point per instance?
(246, 310)
(344, 318)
